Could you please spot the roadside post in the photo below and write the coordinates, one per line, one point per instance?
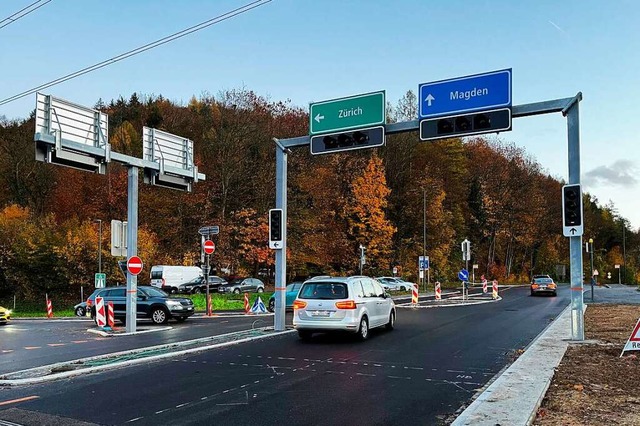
(473, 272)
(207, 249)
(463, 275)
(619, 277)
(438, 291)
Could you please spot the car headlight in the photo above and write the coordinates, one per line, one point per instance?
(174, 304)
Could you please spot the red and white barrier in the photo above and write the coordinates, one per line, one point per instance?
(414, 295)
(110, 317)
(49, 308)
(438, 291)
(101, 319)
(247, 306)
(209, 312)
(495, 289)
(484, 285)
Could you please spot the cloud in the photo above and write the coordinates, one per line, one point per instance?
(621, 173)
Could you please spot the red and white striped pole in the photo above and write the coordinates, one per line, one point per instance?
(209, 311)
(438, 291)
(484, 286)
(110, 316)
(495, 289)
(49, 307)
(414, 295)
(247, 306)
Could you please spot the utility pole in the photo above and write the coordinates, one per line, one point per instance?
(99, 245)
(424, 235)
(590, 245)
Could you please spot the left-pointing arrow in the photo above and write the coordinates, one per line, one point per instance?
(319, 117)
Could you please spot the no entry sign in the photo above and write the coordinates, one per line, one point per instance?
(134, 265)
(209, 247)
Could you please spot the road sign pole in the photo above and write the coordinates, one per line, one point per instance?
(281, 255)
(132, 246)
(206, 281)
(575, 243)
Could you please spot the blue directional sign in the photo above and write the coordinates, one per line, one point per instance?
(478, 92)
(423, 263)
(463, 275)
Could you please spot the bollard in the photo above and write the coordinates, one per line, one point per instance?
(495, 289)
(110, 316)
(247, 307)
(438, 291)
(49, 308)
(101, 319)
(484, 286)
(209, 312)
(414, 295)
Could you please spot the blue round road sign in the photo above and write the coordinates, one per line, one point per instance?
(463, 275)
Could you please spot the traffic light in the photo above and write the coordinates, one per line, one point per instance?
(466, 124)
(572, 210)
(346, 141)
(275, 228)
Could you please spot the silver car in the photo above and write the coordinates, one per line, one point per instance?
(354, 304)
(395, 283)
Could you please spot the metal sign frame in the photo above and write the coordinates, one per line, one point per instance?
(569, 107)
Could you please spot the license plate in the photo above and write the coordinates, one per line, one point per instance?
(320, 313)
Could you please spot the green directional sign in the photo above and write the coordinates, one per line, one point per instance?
(354, 112)
(101, 280)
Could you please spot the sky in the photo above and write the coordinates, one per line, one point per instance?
(313, 50)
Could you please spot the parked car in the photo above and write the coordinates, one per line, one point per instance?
(80, 309)
(395, 284)
(291, 292)
(543, 285)
(197, 285)
(169, 278)
(151, 303)
(5, 315)
(353, 304)
(242, 285)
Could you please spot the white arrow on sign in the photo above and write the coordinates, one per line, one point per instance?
(319, 117)
(429, 99)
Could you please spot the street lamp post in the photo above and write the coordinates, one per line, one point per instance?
(424, 236)
(362, 248)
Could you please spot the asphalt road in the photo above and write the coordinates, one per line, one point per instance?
(424, 371)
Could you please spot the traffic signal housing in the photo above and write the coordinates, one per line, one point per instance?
(276, 225)
(572, 210)
(466, 124)
(347, 141)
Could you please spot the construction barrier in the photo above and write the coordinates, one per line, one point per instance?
(484, 286)
(247, 306)
(101, 319)
(438, 291)
(495, 289)
(49, 308)
(209, 305)
(414, 295)
(110, 317)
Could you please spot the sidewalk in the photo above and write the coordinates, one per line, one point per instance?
(515, 396)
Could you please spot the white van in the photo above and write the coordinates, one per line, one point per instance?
(168, 277)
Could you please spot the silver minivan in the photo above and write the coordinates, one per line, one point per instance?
(355, 304)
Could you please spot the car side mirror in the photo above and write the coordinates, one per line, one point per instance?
(142, 297)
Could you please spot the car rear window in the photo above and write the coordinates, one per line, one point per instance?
(324, 291)
(543, 280)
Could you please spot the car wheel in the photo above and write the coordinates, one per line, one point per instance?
(305, 335)
(392, 321)
(260, 289)
(363, 331)
(80, 312)
(159, 316)
(197, 290)
(181, 319)
(272, 305)
(236, 290)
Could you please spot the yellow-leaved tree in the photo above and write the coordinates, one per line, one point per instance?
(366, 214)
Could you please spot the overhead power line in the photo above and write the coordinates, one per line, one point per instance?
(235, 12)
(27, 10)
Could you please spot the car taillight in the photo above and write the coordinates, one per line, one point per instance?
(299, 304)
(347, 304)
(534, 286)
(552, 285)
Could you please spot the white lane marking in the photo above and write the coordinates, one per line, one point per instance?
(182, 405)
(364, 374)
(133, 420)
(398, 377)
(162, 411)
